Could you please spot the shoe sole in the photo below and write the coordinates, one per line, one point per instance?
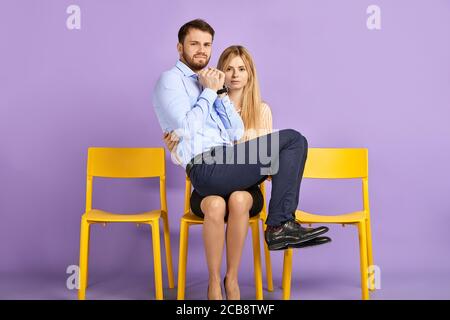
(285, 244)
(306, 245)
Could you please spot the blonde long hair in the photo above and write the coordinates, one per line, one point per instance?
(251, 96)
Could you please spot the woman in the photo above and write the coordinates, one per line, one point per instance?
(236, 208)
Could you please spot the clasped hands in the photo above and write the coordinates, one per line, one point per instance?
(211, 78)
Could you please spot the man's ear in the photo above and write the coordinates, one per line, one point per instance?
(180, 48)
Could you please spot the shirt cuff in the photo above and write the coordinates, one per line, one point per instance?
(225, 102)
(209, 95)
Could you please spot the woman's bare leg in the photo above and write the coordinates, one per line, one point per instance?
(214, 209)
(239, 205)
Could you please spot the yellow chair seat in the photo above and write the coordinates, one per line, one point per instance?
(192, 218)
(104, 216)
(353, 217)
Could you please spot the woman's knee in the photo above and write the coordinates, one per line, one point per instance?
(213, 207)
(240, 200)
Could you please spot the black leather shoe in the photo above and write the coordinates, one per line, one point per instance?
(290, 233)
(311, 243)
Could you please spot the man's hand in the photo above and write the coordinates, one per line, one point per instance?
(221, 78)
(171, 140)
(211, 78)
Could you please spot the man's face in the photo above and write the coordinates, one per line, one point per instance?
(195, 52)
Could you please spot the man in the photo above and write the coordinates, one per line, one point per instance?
(191, 101)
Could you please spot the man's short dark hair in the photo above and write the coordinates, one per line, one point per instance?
(194, 24)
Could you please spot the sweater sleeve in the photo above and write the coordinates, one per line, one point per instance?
(266, 118)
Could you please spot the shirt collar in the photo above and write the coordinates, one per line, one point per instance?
(185, 69)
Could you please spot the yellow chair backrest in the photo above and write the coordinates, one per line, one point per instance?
(333, 163)
(126, 162)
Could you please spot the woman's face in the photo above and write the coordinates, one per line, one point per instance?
(236, 75)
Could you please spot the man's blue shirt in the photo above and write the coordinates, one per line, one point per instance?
(198, 116)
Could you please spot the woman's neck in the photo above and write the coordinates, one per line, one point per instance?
(236, 97)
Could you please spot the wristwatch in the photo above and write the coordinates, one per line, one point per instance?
(223, 90)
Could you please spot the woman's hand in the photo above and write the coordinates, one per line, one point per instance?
(171, 140)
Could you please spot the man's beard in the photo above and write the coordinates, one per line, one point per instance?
(194, 65)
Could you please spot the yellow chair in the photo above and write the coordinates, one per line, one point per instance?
(328, 163)
(189, 219)
(127, 163)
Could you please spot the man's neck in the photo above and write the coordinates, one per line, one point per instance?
(187, 65)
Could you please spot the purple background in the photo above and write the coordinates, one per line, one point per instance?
(321, 71)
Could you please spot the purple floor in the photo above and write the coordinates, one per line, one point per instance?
(321, 273)
(308, 286)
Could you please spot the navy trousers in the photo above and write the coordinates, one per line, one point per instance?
(225, 169)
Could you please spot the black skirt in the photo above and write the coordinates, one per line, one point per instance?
(254, 191)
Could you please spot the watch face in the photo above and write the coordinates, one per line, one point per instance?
(223, 90)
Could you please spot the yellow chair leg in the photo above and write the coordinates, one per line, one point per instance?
(168, 250)
(363, 259)
(257, 260)
(157, 260)
(370, 256)
(269, 276)
(287, 273)
(184, 232)
(84, 257)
